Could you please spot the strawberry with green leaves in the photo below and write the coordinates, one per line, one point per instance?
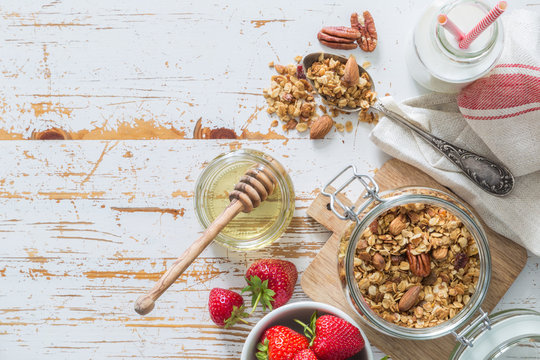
(226, 307)
(280, 343)
(271, 282)
(332, 338)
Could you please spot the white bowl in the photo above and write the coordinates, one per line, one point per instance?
(302, 310)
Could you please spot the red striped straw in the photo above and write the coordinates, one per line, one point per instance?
(483, 24)
(452, 28)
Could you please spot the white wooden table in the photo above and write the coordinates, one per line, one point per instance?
(87, 226)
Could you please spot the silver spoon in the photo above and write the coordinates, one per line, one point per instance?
(488, 175)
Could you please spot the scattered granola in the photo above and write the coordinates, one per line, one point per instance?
(301, 127)
(290, 97)
(327, 75)
(348, 126)
(368, 117)
(298, 59)
(417, 265)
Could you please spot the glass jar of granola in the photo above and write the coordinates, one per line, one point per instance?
(415, 263)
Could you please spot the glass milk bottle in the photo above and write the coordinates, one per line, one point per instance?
(434, 58)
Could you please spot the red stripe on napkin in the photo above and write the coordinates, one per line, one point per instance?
(521, 66)
(500, 91)
(495, 117)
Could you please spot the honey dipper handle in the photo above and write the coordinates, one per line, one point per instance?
(145, 303)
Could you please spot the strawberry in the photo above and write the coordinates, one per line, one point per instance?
(271, 282)
(226, 307)
(280, 343)
(306, 354)
(333, 338)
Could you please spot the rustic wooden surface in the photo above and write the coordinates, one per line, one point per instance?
(90, 225)
(321, 282)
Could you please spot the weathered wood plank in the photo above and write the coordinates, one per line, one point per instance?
(72, 261)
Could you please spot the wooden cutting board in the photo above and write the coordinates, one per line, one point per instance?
(321, 283)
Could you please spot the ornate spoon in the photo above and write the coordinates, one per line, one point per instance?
(488, 175)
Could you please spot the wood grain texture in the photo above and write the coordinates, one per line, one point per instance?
(145, 303)
(135, 69)
(89, 225)
(91, 247)
(321, 281)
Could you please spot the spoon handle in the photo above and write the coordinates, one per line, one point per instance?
(489, 176)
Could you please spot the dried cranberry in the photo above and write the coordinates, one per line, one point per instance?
(461, 260)
(300, 72)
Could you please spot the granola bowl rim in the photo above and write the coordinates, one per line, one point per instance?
(394, 198)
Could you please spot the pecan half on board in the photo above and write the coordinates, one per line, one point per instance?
(368, 34)
(420, 264)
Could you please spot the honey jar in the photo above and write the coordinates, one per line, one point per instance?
(247, 231)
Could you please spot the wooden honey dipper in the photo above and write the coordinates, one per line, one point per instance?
(254, 187)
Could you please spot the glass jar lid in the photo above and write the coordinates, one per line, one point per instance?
(509, 334)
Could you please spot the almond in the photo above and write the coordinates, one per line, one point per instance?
(364, 256)
(374, 227)
(351, 77)
(409, 298)
(378, 262)
(321, 127)
(397, 225)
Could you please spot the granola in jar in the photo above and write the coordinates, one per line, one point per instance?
(417, 265)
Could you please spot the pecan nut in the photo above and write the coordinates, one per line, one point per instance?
(336, 45)
(342, 32)
(420, 264)
(327, 37)
(368, 34)
(339, 37)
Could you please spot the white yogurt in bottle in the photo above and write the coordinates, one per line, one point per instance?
(434, 58)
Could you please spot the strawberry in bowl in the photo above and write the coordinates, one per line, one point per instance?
(332, 334)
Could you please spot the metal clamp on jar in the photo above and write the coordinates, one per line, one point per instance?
(467, 329)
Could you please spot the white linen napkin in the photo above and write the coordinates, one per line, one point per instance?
(515, 216)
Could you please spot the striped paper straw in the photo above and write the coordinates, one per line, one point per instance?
(452, 28)
(483, 24)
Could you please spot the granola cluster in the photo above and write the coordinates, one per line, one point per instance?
(291, 97)
(417, 265)
(327, 76)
